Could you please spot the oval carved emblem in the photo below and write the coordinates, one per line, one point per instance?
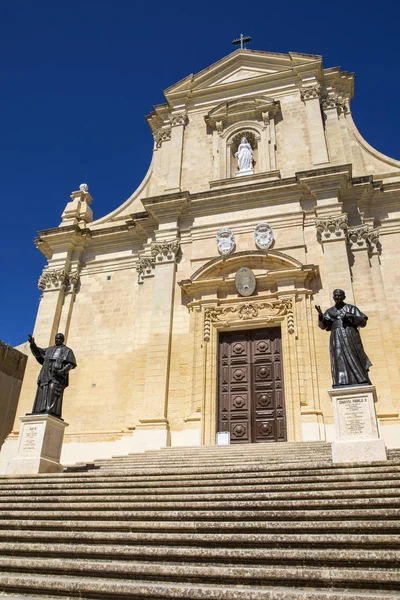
(245, 281)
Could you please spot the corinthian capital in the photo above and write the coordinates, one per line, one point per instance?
(165, 251)
(53, 279)
(178, 119)
(334, 101)
(331, 228)
(145, 267)
(363, 237)
(57, 279)
(372, 241)
(162, 135)
(310, 93)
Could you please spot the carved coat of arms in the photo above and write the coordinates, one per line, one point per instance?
(225, 241)
(263, 236)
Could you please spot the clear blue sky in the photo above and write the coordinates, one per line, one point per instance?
(79, 76)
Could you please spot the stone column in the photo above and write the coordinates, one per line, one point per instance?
(178, 123)
(311, 97)
(152, 430)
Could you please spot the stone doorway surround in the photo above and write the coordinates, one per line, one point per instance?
(283, 298)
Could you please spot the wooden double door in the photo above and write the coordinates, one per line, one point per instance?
(251, 394)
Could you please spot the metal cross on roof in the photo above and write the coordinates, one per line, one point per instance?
(244, 39)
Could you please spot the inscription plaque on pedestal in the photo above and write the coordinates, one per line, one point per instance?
(357, 435)
(355, 418)
(29, 440)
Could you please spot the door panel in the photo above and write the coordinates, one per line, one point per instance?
(251, 398)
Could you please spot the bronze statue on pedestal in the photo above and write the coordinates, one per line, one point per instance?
(53, 378)
(349, 362)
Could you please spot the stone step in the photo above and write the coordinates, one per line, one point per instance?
(258, 487)
(232, 449)
(240, 479)
(231, 573)
(127, 464)
(229, 504)
(382, 557)
(225, 540)
(314, 469)
(243, 462)
(205, 523)
(360, 513)
(185, 495)
(90, 587)
(379, 526)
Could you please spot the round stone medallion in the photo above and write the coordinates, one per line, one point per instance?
(245, 281)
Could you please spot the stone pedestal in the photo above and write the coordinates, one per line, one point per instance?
(245, 172)
(39, 445)
(356, 427)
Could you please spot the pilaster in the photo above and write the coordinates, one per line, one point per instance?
(178, 122)
(326, 186)
(311, 97)
(159, 345)
(370, 297)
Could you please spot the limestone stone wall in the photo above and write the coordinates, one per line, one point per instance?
(12, 367)
(132, 291)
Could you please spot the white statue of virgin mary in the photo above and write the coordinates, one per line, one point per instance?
(245, 157)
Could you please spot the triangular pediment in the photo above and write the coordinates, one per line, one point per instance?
(242, 73)
(239, 66)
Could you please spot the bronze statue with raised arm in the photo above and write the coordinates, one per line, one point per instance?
(53, 378)
(349, 363)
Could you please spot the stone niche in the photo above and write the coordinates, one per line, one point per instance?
(254, 118)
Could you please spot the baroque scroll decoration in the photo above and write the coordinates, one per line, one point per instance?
(331, 228)
(165, 251)
(246, 311)
(57, 279)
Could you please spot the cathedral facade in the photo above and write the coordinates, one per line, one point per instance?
(190, 307)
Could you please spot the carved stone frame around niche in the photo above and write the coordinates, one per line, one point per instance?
(283, 300)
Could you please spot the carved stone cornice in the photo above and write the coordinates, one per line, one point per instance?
(145, 267)
(332, 228)
(245, 311)
(363, 237)
(178, 119)
(165, 251)
(162, 135)
(310, 93)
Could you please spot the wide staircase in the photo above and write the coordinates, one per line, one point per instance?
(251, 522)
